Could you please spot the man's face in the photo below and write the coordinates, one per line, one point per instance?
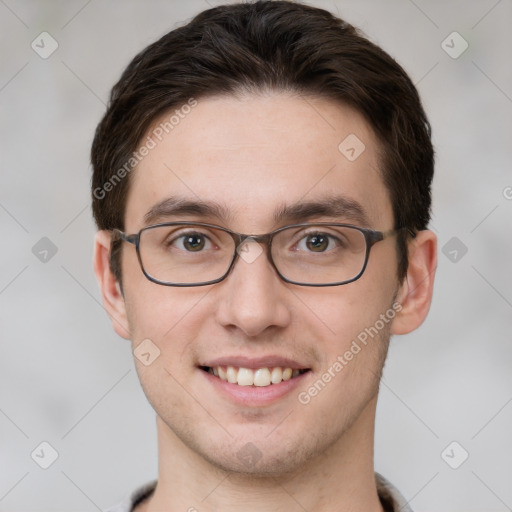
(255, 156)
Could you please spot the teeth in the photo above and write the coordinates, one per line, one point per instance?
(277, 375)
(287, 373)
(260, 377)
(231, 375)
(245, 377)
(222, 373)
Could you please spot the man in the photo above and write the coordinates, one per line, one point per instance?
(262, 192)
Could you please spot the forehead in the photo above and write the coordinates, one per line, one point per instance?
(255, 154)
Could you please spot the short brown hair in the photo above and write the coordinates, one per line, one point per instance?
(268, 45)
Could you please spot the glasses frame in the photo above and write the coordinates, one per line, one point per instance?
(371, 237)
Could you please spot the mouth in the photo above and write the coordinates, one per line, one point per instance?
(255, 377)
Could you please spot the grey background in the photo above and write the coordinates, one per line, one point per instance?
(67, 379)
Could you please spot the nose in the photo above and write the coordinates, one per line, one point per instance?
(254, 298)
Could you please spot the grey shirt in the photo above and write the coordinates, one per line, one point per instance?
(391, 499)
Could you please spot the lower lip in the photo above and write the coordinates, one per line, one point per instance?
(254, 395)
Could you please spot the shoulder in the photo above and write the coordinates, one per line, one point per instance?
(390, 497)
(134, 498)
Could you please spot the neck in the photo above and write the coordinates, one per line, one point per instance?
(340, 478)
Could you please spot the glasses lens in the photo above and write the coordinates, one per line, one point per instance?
(185, 254)
(319, 254)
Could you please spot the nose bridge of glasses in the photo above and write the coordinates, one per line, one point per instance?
(249, 247)
(243, 239)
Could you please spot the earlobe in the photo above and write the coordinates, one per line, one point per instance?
(415, 293)
(112, 296)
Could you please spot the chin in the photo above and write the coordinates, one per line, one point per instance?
(263, 457)
(251, 461)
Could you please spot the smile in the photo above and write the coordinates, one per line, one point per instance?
(260, 377)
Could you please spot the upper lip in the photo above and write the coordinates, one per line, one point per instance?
(271, 361)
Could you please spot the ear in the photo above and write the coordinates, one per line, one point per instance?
(113, 299)
(415, 292)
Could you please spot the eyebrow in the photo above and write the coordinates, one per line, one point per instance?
(338, 207)
(173, 206)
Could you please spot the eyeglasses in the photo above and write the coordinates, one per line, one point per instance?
(198, 254)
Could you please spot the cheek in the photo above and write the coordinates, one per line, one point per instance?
(353, 351)
(344, 312)
(153, 310)
(356, 320)
(164, 314)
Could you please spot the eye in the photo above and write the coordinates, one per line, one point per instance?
(191, 242)
(317, 242)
